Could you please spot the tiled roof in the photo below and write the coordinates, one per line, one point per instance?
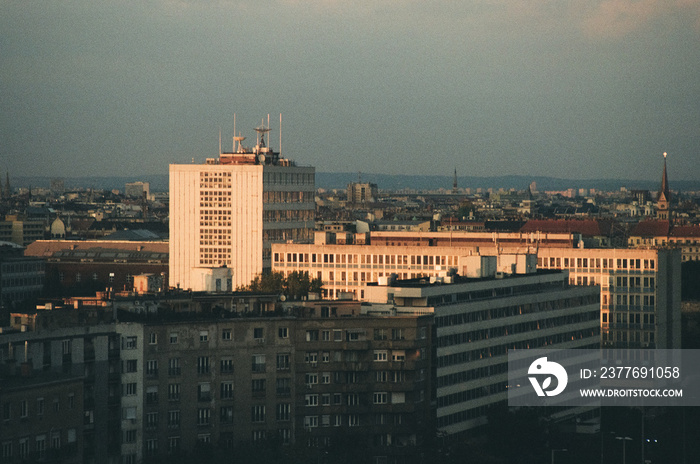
(651, 228)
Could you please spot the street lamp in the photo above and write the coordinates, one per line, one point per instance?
(624, 440)
(562, 449)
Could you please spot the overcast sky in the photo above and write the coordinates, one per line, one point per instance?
(562, 88)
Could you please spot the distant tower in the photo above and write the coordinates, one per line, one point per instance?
(664, 198)
(454, 183)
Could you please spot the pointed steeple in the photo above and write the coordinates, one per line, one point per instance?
(664, 197)
(454, 183)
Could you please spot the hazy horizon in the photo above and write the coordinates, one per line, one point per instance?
(578, 89)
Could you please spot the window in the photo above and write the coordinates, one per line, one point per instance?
(127, 414)
(258, 386)
(353, 420)
(311, 379)
(173, 338)
(258, 333)
(226, 335)
(310, 421)
(380, 397)
(283, 386)
(203, 365)
(128, 343)
(173, 444)
(204, 391)
(226, 414)
(151, 447)
(6, 411)
(131, 365)
(203, 336)
(174, 419)
(353, 399)
(398, 397)
(129, 389)
(381, 355)
(203, 416)
(326, 378)
(326, 334)
(312, 335)
(283, 332)
(282, 361)
(152, 367)
(152, 420)
(174, 392)
(130, 436)
(311, 357)
(397, 334)
(40, 406)
(258, 363)
(326, 356)
(226, 366)
(337, 398)
(257, 413)
(174, 366)
(152, 338)
(152, 395)
(398, 355)
(380, 334)
(283, 412)
(311, 400)
(337, 335)
(7, 450)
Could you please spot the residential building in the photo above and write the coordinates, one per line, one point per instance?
(480, 320)
(224, 215)
(67, 377)
(304, 377)
(360, 193)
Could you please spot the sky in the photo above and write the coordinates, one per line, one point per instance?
(578, 89)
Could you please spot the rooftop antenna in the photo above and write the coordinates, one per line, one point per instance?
(219, 140)
(280, 148)
(233, 150)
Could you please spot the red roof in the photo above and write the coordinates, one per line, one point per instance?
(651, 228)
(685, 231)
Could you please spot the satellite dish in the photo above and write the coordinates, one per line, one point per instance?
(261, 158)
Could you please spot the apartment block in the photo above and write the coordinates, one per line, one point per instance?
(301, 377)
(480, 320)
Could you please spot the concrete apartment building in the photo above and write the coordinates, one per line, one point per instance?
(60, 388)
(479, 320)
(224, 215)
(305, 377)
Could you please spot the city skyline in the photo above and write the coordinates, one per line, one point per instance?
(597, 89)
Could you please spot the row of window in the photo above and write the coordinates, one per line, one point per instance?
(23, 448)
(22, 408)
(596, 263)
(368, 259)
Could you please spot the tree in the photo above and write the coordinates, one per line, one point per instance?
(296, 285)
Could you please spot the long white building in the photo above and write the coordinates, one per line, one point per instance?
(224, 215)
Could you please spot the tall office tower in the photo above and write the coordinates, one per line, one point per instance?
(224, 214)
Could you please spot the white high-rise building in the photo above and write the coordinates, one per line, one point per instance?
(224, 215)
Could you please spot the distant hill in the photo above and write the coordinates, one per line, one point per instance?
(340, 180)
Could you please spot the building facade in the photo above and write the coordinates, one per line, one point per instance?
(479, 321)
(307, 378)
(646, 300)
(224, 215)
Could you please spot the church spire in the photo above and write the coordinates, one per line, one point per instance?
(664, 197)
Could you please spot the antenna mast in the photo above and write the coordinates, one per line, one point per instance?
(280, 148)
